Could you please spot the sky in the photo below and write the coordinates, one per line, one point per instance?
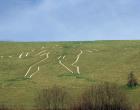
(69, 20)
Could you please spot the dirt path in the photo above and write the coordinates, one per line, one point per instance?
(34, 65)
(35, 72)
(10, 56)
(89, 51)
(1, 56)
(20, 56)
(59, 57)
(95, 50)
(27, 54)
(64, 57)
(42, 54)
(78, 56)
(77, 59)
(60, 62)
(43, 51)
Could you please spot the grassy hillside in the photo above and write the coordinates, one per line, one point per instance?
(100, 61)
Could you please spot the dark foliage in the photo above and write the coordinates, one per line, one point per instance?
(51, 99)
(132, 81)
(103, 97)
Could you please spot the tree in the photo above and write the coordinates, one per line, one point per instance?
(132, 81)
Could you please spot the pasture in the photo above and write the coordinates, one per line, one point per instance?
(26, 68)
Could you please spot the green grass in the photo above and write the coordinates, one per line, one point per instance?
(112, 62)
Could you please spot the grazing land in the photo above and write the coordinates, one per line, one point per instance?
(26, 68)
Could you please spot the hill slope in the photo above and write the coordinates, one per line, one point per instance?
(28, 67)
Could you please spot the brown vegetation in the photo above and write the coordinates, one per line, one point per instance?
(51, 99)
(103, 97)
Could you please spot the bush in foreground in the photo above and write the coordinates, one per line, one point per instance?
(103, 97)
(3, 107)
(7, 107)
(51, 99)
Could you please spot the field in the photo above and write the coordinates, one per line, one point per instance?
(26, 68)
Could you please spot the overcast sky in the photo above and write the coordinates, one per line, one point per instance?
(64, 20)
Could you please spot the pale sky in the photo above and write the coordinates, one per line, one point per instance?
(69, 20)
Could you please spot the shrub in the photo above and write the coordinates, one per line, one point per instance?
(3, 107)
(51, 99)
(137, 107)
(132, 81)
(103, 97)
(6, 107)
